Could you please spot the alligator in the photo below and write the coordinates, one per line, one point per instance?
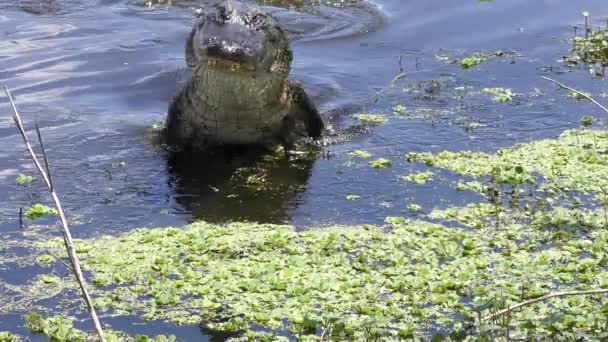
(239, 93)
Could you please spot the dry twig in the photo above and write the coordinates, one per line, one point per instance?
(543, 298)
(578, 92)
(67, 236)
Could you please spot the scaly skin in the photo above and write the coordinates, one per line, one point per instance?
(239, 92)
(276, 3)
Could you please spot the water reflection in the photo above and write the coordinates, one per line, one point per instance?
(239, 183)
(45, 7)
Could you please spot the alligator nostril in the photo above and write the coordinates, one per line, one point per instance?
(223, 14)
(214, 50)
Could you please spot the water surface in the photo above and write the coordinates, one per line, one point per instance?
(96, 75)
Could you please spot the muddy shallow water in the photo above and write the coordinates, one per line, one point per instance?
(97, 75)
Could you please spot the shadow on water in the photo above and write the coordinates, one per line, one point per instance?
(245, 184)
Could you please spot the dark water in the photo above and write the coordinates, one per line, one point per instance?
(96, 75)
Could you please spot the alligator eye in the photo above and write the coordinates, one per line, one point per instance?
(257, 19)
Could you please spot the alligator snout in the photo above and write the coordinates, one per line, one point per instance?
(231, 51)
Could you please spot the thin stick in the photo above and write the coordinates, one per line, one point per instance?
(67, 236)
(46, 160)
(543, 298)
(578, 92)
(69, 267)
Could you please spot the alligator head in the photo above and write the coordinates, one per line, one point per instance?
(233, 36)
(239, 92)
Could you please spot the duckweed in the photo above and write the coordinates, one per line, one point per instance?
(500, 94)
(61, 328)
(38, 210)
(413, 207)
(399, 109)
(528, 236)
(420, 177)
(24, 179)
(576, 161)
(6, 336)
(593, 49)
(344, 280)
(360, 154)
(472, 61)
(578, 96)
(587, 121)
(380, 163)
(375, 119)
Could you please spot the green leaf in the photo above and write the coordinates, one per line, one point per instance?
(380, 163)
(38, 210)
(375, 119)
(24, 179)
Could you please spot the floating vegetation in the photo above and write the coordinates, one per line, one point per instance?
(352, 197)
(527, 237)
(6, 336)
(399, 109)
(60, 328)
(375, 119)
(419, 177)
(45, 259)
(575, 162)
(479, 58)
(593, 48)
(38, 210)
(500, 94)
(380, 163)
(348, 282)
(578, 96)
(360, 154)
(472, 61)
(413, 207)
(158, 125)
(50, 279)
(24, 179)
(587, 121)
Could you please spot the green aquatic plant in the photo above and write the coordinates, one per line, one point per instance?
(61, 328)
(352, 282)
(353, 197)
(586, 121)
(500, 94)
(6, 336)
(38, 210)
(360, 154)
(578, 96)
(24, 179)
(593, 47)
(419, 177)
(380, 163)
(50, 279)
(527, 237)
(413, 207)
(399, 109)
(567, 162)
(34, 322)
(374, 119)
(45, 259)
(474, 215)
(472, 61)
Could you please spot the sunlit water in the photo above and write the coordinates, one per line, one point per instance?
(96, 75)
